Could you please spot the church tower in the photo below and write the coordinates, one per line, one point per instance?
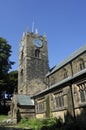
(33, 63)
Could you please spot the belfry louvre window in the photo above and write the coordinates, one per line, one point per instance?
(37, 53)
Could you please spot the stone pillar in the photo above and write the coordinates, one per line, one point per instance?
(70, 108)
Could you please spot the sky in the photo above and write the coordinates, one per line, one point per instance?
(63, 21)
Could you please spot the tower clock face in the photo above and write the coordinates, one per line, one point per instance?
(37, 42)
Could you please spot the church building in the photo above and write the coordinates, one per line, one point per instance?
(56, 92)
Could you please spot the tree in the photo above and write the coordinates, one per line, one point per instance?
(5, 53)
(5, 64)
(12, 82)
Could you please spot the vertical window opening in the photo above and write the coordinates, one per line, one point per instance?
(37, 53)
(21, 73)
(82, 65)
(82, 94)
(65, 73)
(22, 55)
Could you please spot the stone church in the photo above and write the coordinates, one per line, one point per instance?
(44, 92)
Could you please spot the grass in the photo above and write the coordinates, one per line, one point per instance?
(3, 117)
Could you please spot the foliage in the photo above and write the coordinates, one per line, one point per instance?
(5, 66)
(43, 124)
(52, 124)
(12, 82)
(5, 63)
(34, 124)
(5, 53)
(48, 124)
(7, 91)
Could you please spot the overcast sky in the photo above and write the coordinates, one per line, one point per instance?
(63, 21)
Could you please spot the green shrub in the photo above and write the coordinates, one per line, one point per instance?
(33, 123)
(44, 124)
(51, 124)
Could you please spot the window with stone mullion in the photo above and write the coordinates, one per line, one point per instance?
(82, 89)
(82, 96)
(59, 101)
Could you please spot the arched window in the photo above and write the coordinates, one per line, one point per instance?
(81, 64)
(37, 53)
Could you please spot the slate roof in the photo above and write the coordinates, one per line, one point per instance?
(24, 100)
(67, 60)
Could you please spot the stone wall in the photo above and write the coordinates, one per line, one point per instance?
(28, 112)
(77, 62)
(65, 99)
(32, 67)
(68, 70)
